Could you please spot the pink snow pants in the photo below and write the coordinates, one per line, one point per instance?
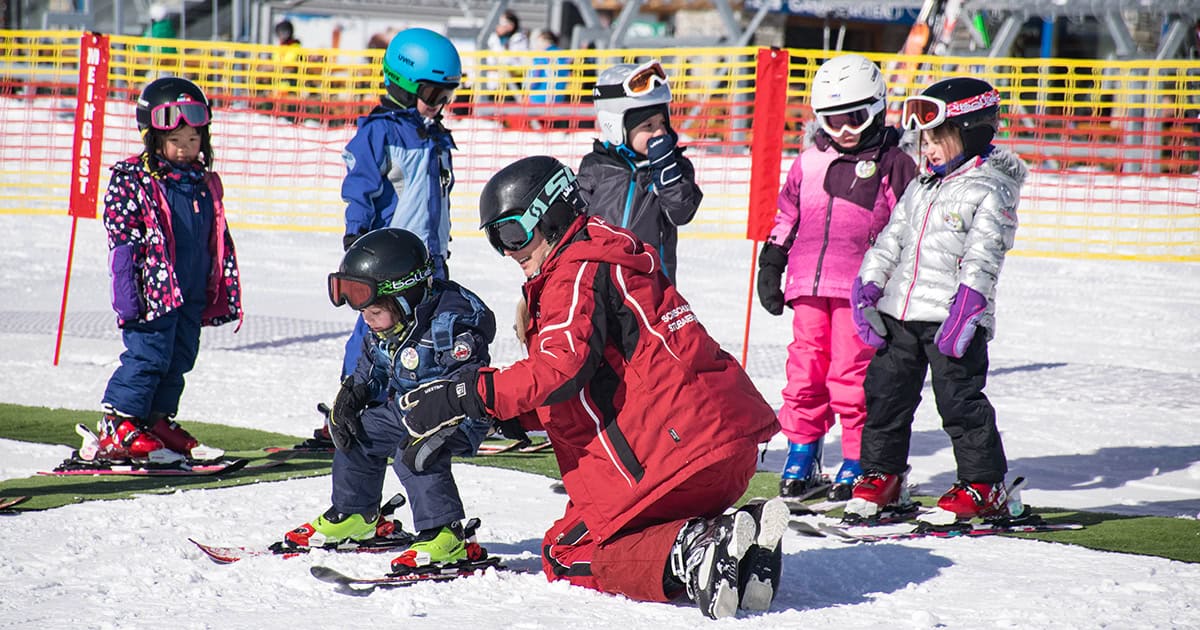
(826, 365)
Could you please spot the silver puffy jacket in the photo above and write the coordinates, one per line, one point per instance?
(947, 231)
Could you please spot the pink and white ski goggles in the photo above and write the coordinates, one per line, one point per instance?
(925, 112)
(168, 116)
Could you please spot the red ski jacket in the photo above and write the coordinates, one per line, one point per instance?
(629, 386)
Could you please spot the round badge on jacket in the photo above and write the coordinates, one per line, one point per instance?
(409, 358)
(461, 351)
(865, 169)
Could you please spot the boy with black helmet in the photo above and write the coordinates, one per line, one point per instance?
(399, 171)
(655, 427)
(422, 328)
(837, 197)
(173, 269)
(925, 297)
(636, 176)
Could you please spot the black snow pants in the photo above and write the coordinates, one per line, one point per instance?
(893, 391)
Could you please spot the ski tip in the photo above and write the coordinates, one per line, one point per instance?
(326, 574)
(216, 554)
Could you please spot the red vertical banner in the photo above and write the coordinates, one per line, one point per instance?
(89, 124)
(766, 144)
(90, 94)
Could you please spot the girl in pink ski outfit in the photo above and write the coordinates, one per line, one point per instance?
(838, 195)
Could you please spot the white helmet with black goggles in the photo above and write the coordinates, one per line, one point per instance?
(853, 119)
(923, 112)
(359, 292)
(514, 231)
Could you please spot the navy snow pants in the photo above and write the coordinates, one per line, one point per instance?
(157, 355)
(432, 495)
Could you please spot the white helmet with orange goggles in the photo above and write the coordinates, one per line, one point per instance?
(624, 87)
(848, 94)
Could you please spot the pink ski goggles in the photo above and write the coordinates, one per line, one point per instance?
(168, 116)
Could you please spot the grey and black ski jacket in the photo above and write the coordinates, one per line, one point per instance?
(618, 189)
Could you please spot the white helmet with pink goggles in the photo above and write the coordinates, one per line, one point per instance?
(626, 87)
(848, 93)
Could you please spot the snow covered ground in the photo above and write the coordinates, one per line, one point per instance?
(1095, 374)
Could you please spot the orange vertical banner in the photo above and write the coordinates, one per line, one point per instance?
(766, 143)
(89, 124)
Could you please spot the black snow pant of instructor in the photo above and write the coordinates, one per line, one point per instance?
(893, 391)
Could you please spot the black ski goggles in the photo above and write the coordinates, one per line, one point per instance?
(168, 116)
(510, 233)
(361, 292)
(436, 94)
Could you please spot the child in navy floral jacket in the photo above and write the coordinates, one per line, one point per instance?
(173, 270)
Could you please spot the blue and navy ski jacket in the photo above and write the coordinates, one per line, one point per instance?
(399, 174)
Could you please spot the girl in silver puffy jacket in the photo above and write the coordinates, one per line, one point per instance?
(924, 297)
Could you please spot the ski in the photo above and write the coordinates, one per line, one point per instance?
(75, 466)
(380, 544)
(8, 503)
(389, 537)
(804, 528)
(965, 530)
(364, 585)
(796, 503)
(310, 446)
(519, 446)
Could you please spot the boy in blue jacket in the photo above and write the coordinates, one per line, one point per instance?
(398, 166)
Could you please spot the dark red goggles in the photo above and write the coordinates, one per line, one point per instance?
(357, 292)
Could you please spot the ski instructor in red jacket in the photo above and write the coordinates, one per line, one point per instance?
(654, 426)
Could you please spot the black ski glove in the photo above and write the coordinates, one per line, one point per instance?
(771, 262)
(512, 430)
(348, 240)
(343, 420)
(439, 404)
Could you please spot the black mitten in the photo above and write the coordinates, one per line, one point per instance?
(771, 263)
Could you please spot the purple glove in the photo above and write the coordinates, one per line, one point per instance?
(956, 333)
(125, 299)
(863, 298)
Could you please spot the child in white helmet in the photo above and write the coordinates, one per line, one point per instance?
(838, 196)
(636, 176)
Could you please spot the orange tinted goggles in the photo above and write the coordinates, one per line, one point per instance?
(641, 81)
